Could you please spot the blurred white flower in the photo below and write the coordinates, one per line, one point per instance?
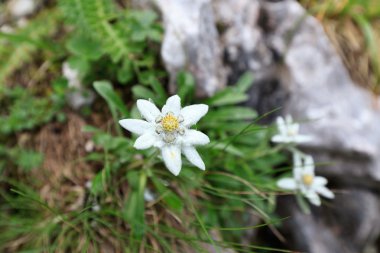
(288, 131)
(305, 181)
(149, 195)
(80, 96)
(21, 8)
(169, 130)
(72, 75)
(95, 208)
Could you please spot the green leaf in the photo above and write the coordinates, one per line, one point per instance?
(186, 85)
(125, 73)
(84, 46)
(97, 185)
(230, 114)
(168, 196)
(105, 89)
(228, 96)
(244, 82)
(228, 148)
(134, 210)
(140, 91)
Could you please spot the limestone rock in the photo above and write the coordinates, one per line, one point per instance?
(191, 43)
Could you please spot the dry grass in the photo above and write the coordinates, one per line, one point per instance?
(354, 29)
(63, 174)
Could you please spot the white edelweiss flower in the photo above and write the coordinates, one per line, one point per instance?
(169, 130)
(305, 181)
(288, 131)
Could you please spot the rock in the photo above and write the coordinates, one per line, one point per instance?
(360, 219)
(191, 43)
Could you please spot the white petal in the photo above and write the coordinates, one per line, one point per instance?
(173, 104)
(148, 110)
(136, 126)
(293, 128)
(281, 125)
(280, 139)
(172, 158)
(145, 141)
(194, 137)
(193, 157)
(325, 192)
(309, 165)
(288, 119)
(193, 113)
(302, 138)
(313, 198)
(287, 183)
(297, 160)
(319, 181)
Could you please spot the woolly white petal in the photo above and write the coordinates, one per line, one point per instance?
(287, 183)
(288, 119)
(193, 157)
(293, 128)
(280, 139)
(145, 141)
(281, 125)
(136, 126)
(302, 138)
(313, 198)
(173, 104)
(325, 192)
(193, 113)
(309, 165)
(319, 181)
(194, 137)
(297, 160)
(172, 158)
(148, 110)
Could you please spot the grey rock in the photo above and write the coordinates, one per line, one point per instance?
(323, 231)
(191, 43)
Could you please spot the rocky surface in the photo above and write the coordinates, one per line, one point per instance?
(295, 68)
(191, 43)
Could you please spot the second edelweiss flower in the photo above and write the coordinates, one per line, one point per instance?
(305, 180)
(169, 130)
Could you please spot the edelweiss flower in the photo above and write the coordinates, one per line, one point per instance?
(288, 131)
(305, 180)
(170, 131)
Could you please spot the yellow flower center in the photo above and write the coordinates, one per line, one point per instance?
(170, 123)
(307, 179)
